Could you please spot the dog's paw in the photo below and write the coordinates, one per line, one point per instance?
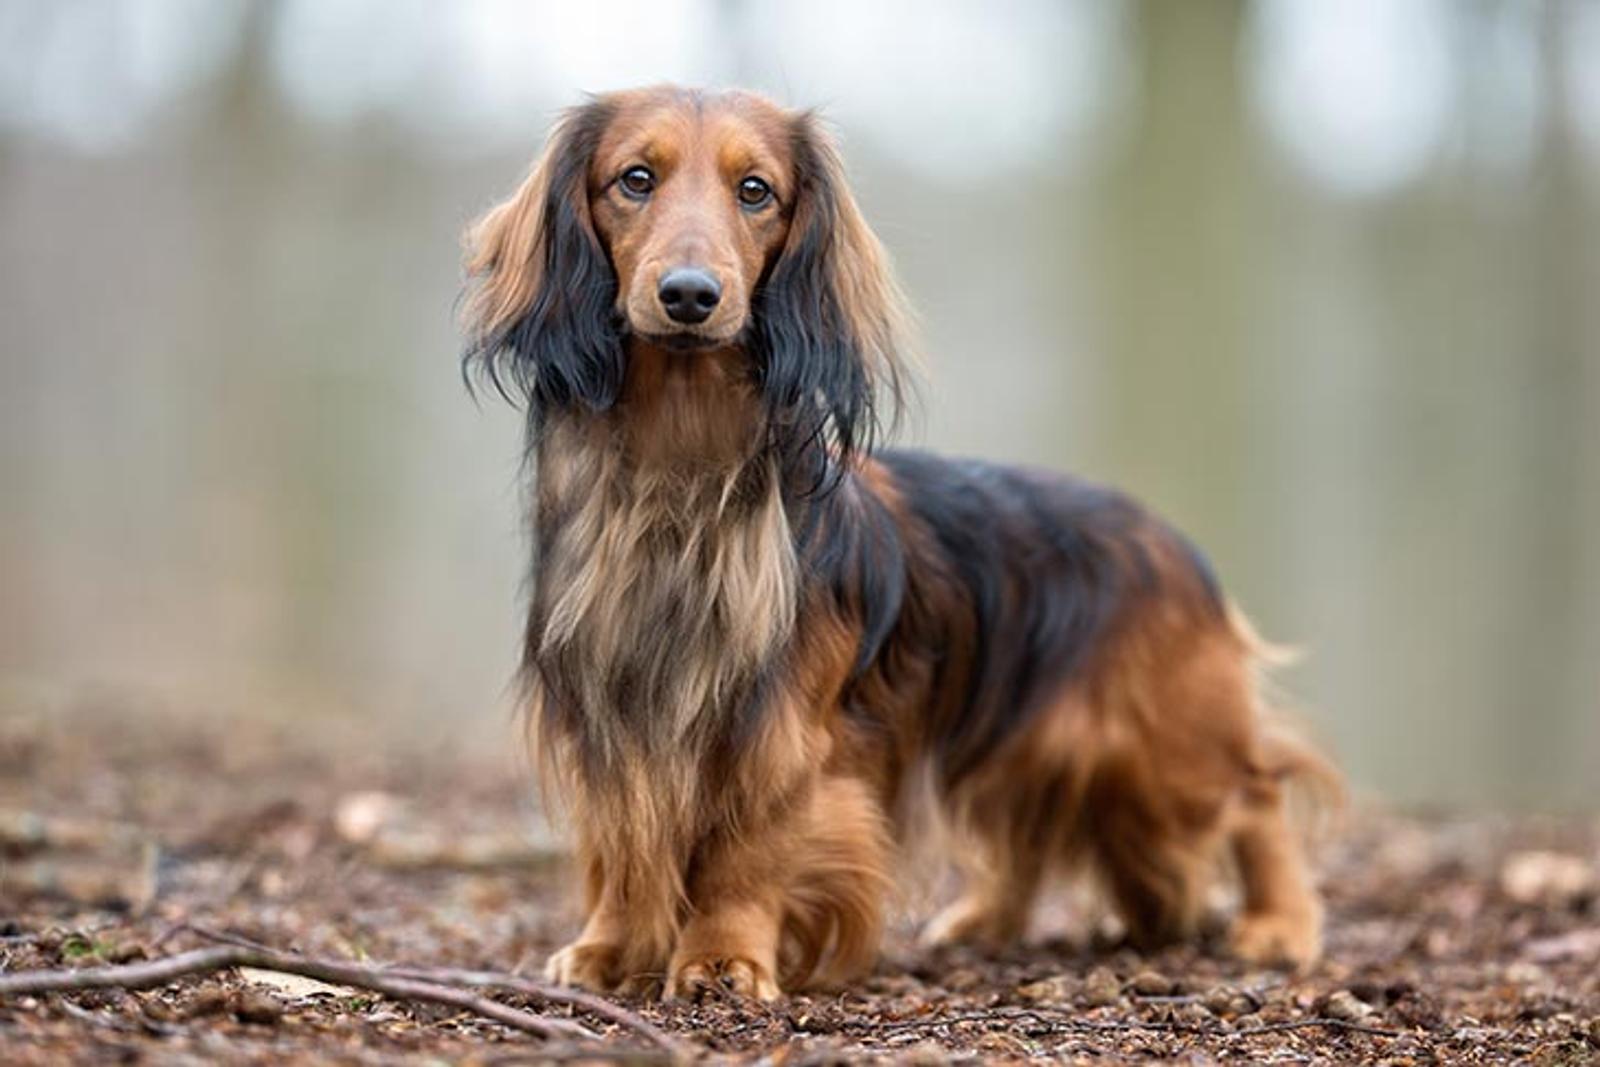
(1277, 939)
(695, 978)
(588, 964)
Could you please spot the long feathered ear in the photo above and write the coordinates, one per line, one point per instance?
(830, 327)
(539, 307)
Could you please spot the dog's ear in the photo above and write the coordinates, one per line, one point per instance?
(539, 307)
(830, 325)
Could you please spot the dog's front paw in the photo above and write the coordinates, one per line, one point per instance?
(589, 964)
(1277, 939)
(692, 979)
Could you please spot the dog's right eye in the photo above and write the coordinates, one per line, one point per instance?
(637, 182)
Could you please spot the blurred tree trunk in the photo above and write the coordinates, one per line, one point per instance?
(1562, 485)
(1176, 242)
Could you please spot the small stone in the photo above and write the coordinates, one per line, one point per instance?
(359, 817)
(1594, 1031)
(158, 1010)
(1550, 879)
(1368, 990)
(254, 1007)
(1346, 1007)
(1151, 984)
(1525, 974)
(1046, 990)
(1419, 1009)
(207, 1001)
(1101, 988)
(962, 979)
(1225, 1001)
(810, 1023)
(127, 952)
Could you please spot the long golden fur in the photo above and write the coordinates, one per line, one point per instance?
(750, 634)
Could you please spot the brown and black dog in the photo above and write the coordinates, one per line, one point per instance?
(753, 640)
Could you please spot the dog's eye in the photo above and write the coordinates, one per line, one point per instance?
(753, 192)
(638, 182)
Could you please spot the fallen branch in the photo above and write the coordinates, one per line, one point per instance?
(153, 973)
(550, 994)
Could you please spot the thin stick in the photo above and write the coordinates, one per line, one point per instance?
(551, 994)
(1319, 1021)
(1060, 1022)
(152, 973)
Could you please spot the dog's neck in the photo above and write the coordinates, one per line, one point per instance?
(665, 575)
(695, 412)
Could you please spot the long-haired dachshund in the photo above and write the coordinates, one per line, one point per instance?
(752, 640)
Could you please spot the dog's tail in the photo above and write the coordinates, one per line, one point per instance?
(1286, 752)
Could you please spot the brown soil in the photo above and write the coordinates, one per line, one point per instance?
(1450, 939)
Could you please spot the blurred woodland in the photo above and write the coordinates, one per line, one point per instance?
(1318, 280)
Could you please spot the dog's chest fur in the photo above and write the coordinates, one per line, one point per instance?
(662, 591)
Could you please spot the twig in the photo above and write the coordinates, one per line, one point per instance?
(221, 936)
(152, 973)
(1059, 1022)
(550, 994)
(1320, 1021)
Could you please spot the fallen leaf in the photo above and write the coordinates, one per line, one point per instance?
(293, 986)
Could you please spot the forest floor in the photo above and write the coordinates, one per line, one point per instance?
(126, 840)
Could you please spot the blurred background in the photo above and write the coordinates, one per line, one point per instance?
(1321, 281)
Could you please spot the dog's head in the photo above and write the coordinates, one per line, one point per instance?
(689, 222)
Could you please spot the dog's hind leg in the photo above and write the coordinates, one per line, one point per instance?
(1281, 921)
(1018, 821)
(1001, 868)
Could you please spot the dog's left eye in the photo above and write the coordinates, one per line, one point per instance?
(753, 192)
(638, 182)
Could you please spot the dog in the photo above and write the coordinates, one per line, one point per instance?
(755, 641)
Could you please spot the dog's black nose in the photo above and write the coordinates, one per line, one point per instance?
(688, 294)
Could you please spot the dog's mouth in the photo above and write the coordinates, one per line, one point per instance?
(683, 340)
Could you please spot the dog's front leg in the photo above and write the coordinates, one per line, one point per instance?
(730, 939)
(629, 932)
